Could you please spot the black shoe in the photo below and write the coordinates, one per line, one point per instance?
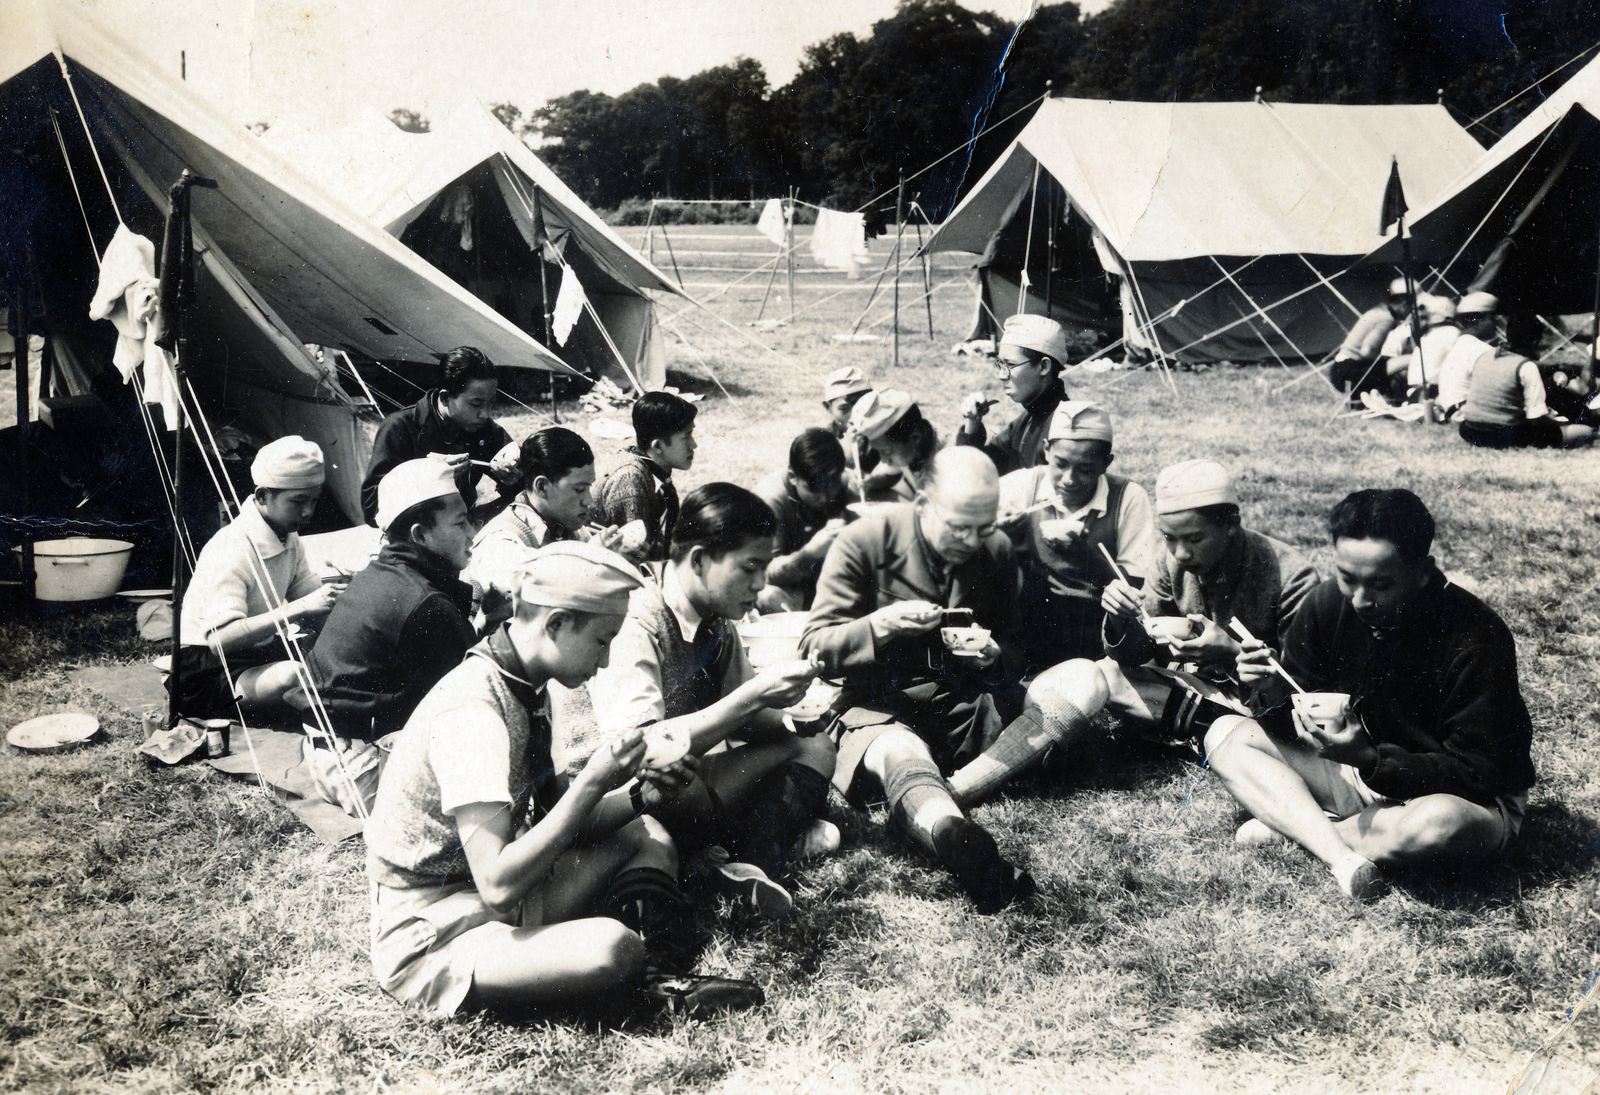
(698, 996)
(969, 852)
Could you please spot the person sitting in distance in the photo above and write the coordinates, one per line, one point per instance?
(808, 500)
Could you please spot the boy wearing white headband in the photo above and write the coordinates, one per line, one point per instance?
(250, 582)
(495, 882)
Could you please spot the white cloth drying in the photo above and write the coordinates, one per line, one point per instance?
(569, 306)
(773, 224)
(129, 296)
(839, 240)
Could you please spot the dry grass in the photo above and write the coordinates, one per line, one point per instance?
(175, 930)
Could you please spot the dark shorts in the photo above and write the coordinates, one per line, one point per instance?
(955, 725)
(1530, 433)
(202, 684)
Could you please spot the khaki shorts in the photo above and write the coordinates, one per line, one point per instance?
(426, 943)
(1340, 790)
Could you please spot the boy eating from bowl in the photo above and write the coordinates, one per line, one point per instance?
(1065, 515)
(1424, 757)
(494, 881)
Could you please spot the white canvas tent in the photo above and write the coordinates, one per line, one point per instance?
(282, 261)
(466, 196)
(1221, 220)
(1537, 187)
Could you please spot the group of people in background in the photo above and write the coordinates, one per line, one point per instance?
(1489, 384)
(1003, 595)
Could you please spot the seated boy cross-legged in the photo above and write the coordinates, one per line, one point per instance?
(492, 883)
(1417, 751)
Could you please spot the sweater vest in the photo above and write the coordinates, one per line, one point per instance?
(691, 679)
(1496, 395)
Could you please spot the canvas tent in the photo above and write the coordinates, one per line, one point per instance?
(466, 196)
(1538, 187)
(282, 262)
(1222, 223)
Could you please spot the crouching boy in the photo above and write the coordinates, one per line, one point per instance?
(563, 895)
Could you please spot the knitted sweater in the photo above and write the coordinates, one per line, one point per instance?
(1438, 692)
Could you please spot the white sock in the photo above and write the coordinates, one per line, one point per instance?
(1345, 868)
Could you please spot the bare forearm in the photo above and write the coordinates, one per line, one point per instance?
(252, 631)
(710, 725)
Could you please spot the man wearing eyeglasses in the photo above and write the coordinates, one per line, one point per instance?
(1029, 359)
(917, 702)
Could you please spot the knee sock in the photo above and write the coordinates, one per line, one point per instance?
(782, 804)
(647, 900)
(1019, 746)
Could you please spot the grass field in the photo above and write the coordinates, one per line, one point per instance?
(175, 930)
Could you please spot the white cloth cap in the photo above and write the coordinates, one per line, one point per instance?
(584, 577)
(289, 463)
(877, 412)
(1038, 333)
(1076, 420)
(1193, 484)
(1397, 287)
(411, 484)
(1478, 304)
(1436, 309)
(842, 382)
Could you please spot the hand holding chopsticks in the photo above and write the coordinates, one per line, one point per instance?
(1244, 634)
(1122, 576)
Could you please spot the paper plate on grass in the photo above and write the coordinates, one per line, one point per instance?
(52, 733)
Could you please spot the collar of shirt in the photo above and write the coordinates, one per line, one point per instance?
(543, 531)
(259, 533)
(663, 474)
(498, 650)
(1098, 504)
(672, 592)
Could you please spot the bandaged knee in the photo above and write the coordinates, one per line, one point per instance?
(1022, 744)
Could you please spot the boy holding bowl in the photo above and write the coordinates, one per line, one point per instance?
(1422, 753)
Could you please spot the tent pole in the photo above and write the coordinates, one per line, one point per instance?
(899, 231)
(1049, 252)
(1586, 374)
(19, 331)
(927, 278)
(771, 278)
(541, 241)
(1416, 321)
(794, 192)
(178, 298)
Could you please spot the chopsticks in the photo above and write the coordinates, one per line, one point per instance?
(1243, 632)
(1122, 574)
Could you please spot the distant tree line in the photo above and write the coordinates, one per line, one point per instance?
(861, 111)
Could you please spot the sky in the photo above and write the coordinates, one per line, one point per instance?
(318, 62)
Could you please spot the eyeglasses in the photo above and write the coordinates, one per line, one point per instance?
(1003, 368)
(962, 531)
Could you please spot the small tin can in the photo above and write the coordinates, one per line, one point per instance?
(216, 738)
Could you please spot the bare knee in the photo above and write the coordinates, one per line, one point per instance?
(1446, 827)
(651, 844)
(818, 753)
(619, 953)
(1078, 682)
(891, 747)
(1228, 735)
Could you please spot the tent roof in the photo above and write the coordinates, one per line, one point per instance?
(334, 277)
(392, 176)
(1168, 181)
